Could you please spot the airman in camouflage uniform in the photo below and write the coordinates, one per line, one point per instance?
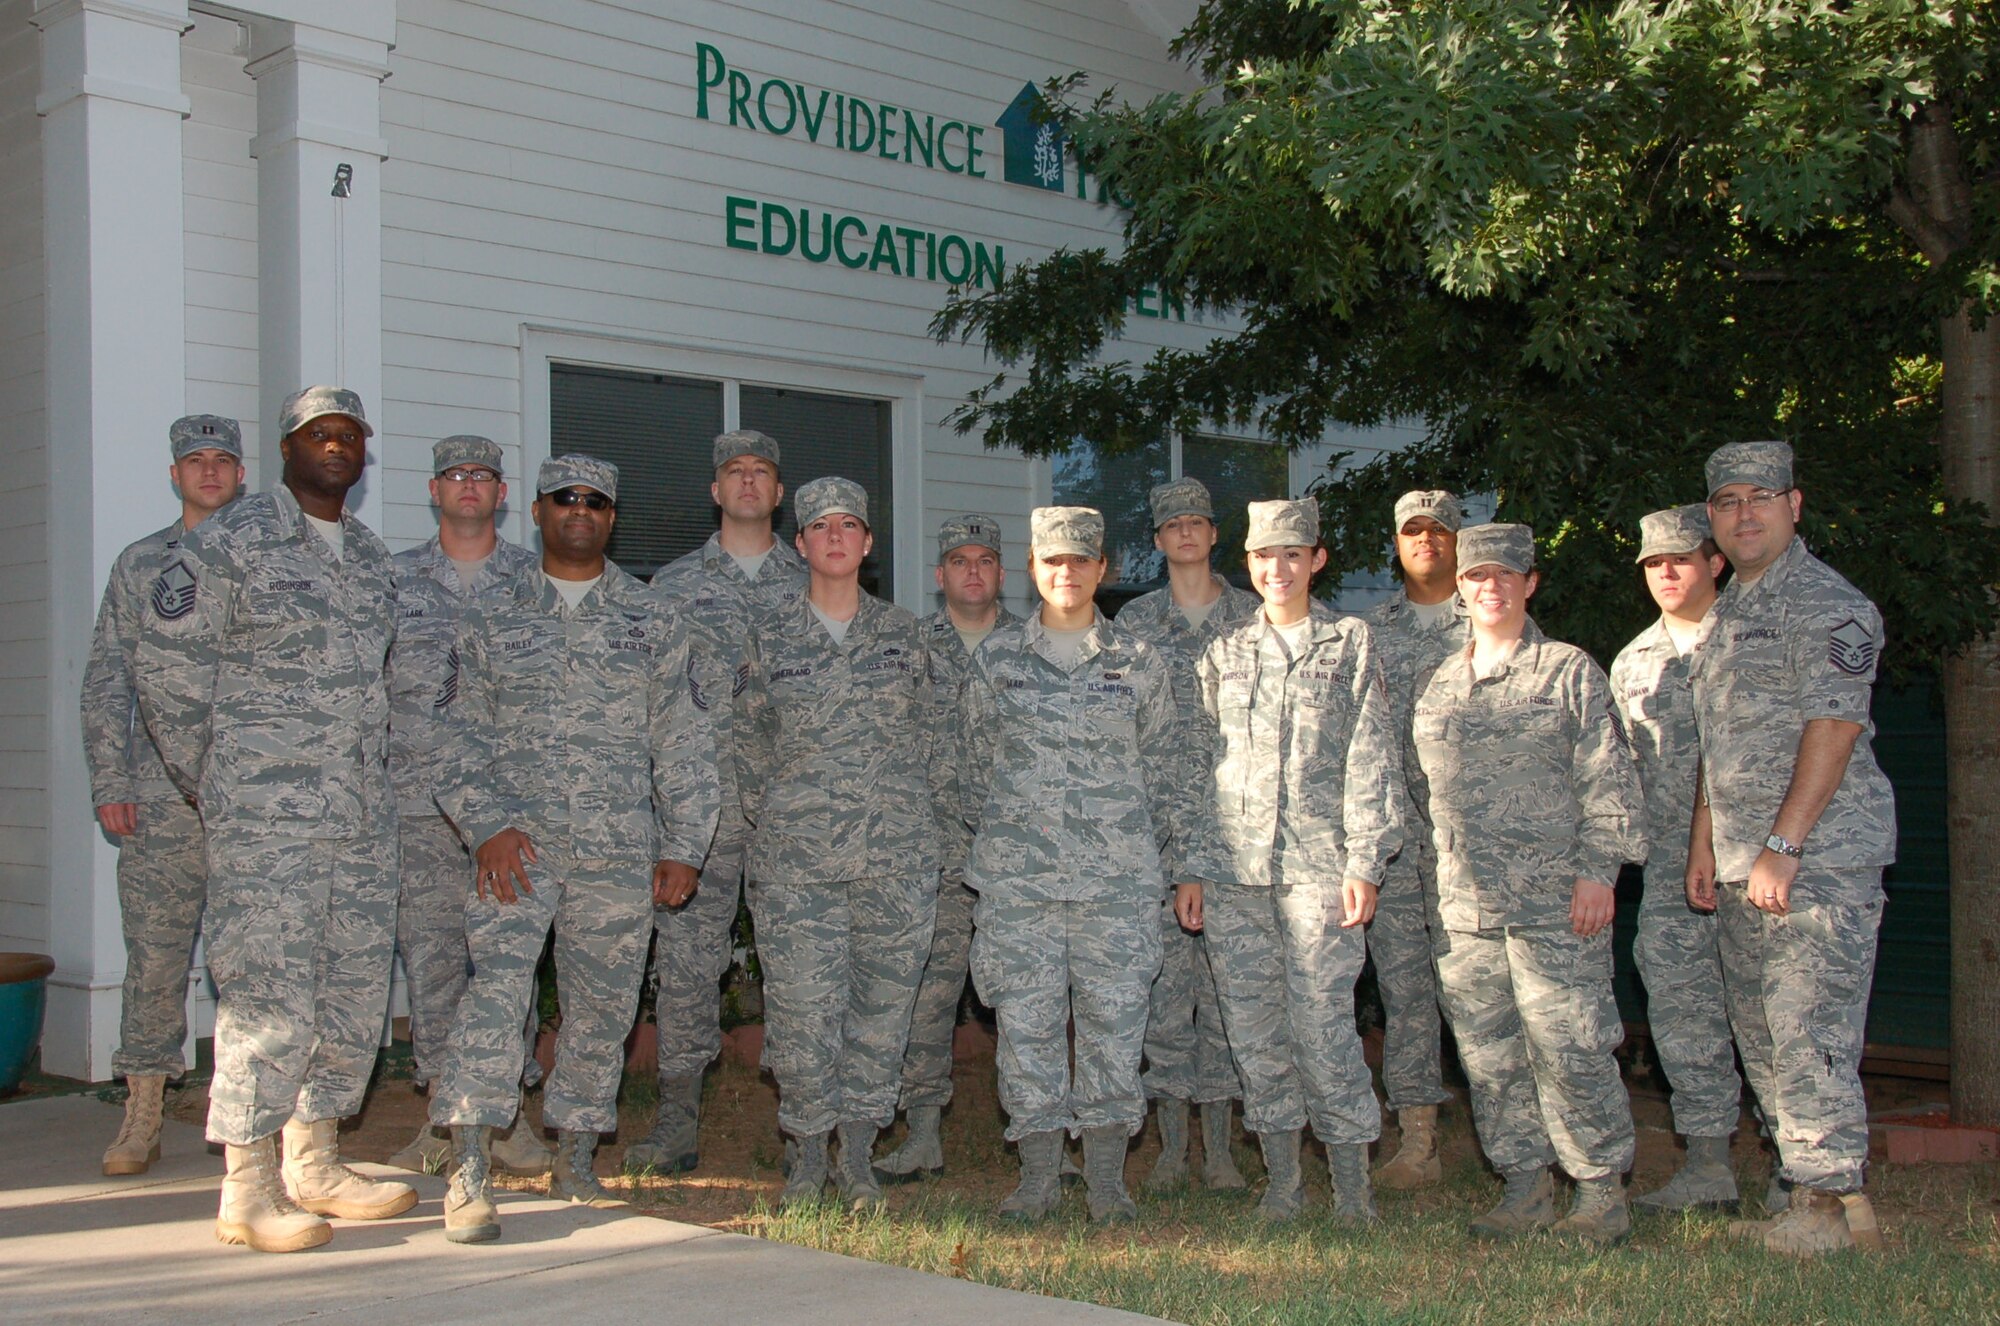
(712, 589)
(835, 767)
(1082, 817)
(585, 779)
(1187, 1053)
(970, 575)
(1307, 781)
(260, 670)
(1676, 946)
(1411, 638)
(1535, 804)
(162, 866)
(1782, 685)
(432, 589)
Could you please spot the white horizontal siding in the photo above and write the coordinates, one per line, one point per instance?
(551, 171)
(24, 546)
(219, 198)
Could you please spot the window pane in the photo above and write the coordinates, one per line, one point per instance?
(1118, 486)
(820, 434)
(1237, 473)
(660, 432)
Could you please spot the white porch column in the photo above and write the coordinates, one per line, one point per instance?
(112, 107)
(319, 257)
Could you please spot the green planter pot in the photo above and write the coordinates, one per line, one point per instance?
(23, 995)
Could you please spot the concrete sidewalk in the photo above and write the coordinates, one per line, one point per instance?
(77, 1247)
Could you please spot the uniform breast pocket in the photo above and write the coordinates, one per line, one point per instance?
(524, 673)
(286, 632)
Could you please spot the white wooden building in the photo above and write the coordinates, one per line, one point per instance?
(609, 225)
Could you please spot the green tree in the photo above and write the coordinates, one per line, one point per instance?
(1583, 243)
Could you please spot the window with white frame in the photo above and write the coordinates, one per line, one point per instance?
(658, 428)
(1236, 471)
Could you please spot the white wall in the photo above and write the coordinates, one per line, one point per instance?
(220, 203)
(555, 174)
(24, 575)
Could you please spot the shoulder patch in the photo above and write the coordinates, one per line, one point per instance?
(1850, 647)
(174, 592)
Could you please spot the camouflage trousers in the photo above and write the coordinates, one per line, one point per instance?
(927, 1060)
(162, 883)
(1797, 991)
(692, 948)
(301, 935)
(1186, 1050)
(1532, 1010)
(1399, 942)
(1680, 960)
(602, 914)
(1043, 966)
(430, 932)
(1286, 971)
(841, 966)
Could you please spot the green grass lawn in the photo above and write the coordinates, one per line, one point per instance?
(1203, 1258)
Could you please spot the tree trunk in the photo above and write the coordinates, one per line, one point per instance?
(1970, 428)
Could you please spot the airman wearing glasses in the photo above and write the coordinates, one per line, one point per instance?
(434, 582)
(1793, 822)
(585, 784)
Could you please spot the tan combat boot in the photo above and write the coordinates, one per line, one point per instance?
(1104, 1174)
(321, 1184)
(256, 1211)
(1599, 1215)
(854, 1174)
(1815, 1224)
(573, 1176)
(922, 1153)
(1039, 1193)
(137, 1145)
(1416, 1163)
(1527, 1207)
(1285, 1195)
(1170, 1170)
(1218, 1166)
(469, 1213)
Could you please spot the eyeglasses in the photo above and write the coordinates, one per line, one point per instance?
(1757, 501)
(596, 501)
(470, 476)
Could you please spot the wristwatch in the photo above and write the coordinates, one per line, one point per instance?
(1784, 847)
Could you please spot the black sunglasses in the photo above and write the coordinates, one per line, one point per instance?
(596, 501)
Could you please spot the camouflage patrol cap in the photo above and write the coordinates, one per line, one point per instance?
(1509, 546)
(744, 442)
(1439, 505)
(1678, 529)
(577, 471)
(1760, 464)
(971, 528)
(1182, 497)
(830, 496)
(1293, 524)
(465, 449)
(1066, 531)
(302, 407)
(205, 432)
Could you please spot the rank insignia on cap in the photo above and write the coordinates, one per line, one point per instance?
(173, 593)
(1850, 648)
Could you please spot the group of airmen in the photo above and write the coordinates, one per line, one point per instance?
(1162, 847)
